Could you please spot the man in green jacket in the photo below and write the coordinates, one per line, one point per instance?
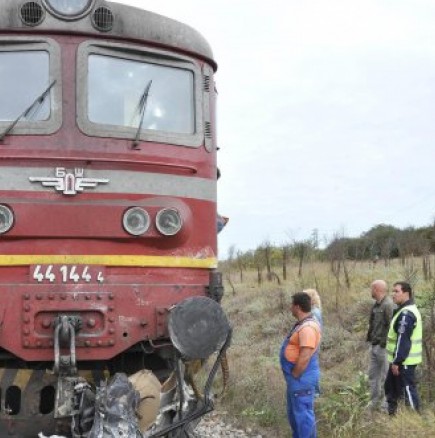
(404, 349)
(380, 319)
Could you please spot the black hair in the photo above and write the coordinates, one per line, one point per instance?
(406, 287)
(303, 300)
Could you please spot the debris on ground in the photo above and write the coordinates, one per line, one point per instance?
(41, 435)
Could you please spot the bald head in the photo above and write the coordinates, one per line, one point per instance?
(379, 289)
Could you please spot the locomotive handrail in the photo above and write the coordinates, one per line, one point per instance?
(181, 167)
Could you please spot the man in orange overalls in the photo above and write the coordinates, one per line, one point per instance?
(300, 366)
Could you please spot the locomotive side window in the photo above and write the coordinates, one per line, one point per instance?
(23, 77)
(133, 92)
(127, 92)
(30, 86)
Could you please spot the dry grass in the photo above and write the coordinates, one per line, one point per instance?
(261, 318)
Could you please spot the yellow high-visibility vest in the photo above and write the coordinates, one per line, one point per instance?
(415, 355)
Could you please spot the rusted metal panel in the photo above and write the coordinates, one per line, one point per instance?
(114, 317)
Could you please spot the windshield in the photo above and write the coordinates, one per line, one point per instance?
(22, 77)
(116, 87)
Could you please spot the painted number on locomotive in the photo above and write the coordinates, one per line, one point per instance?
(67, 274)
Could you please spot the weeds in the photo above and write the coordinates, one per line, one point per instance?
(260, 315)
(342, 409)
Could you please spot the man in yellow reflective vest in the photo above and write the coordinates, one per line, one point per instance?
(404, 349)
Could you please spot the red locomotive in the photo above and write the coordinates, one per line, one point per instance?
(107, 198)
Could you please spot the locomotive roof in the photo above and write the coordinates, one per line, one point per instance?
(129, 22)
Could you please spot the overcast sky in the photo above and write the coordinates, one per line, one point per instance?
(325, 115)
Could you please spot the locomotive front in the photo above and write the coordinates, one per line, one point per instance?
(107, 204)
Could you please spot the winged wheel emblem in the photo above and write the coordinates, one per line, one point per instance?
(69, 182)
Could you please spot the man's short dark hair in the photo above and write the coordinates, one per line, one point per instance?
(406, 287)
(303, 300)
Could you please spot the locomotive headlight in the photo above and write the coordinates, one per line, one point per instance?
(6, 219)
(136, 221)
(68, 8)
(168, 221)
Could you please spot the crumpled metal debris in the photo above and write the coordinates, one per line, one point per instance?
(116, 403)
(83, 418)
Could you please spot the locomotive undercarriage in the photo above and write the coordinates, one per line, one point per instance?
(28, 390)
(41, 396)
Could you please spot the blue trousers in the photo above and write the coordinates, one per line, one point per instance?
(402, 386)
(300, 399)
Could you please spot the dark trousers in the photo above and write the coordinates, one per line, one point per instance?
(401, 386)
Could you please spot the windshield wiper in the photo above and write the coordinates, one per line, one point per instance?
(38, 101)
(142, 107)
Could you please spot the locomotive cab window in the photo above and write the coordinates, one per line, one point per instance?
(20, 85)
(127, 93)
(29, 74)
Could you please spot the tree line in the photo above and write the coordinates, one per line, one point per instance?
(379, 244)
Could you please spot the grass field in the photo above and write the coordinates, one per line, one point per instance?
(260, 316)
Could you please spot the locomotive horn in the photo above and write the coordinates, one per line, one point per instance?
(198, 327)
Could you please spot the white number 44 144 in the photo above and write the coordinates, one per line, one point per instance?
(67, 274)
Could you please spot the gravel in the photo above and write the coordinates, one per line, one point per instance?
(214, 426)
